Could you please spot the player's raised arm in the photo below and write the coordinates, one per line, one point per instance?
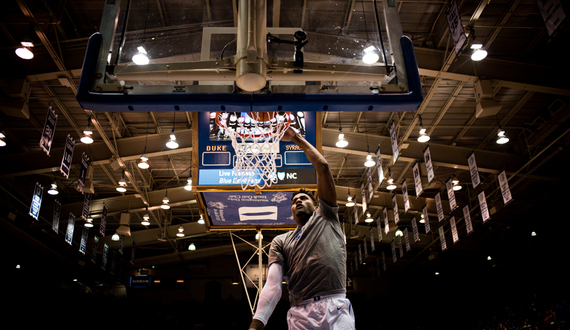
(325, 181)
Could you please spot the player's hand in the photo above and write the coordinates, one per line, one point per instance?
(256, 325)
(289, 134)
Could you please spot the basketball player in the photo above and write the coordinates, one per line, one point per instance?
(311, 258)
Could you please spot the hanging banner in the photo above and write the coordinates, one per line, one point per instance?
(456, 28)
(400, 246)
(429, 165)
(370, 185)
(467, 218)
(451, 195)
(552, 13)
(121, 244)
(359, 254)
(417, 179)
(475, 179)
(394, 256)
(83, 244)
(86, 206)
(454, 234)
(407, 240)
(82, 172)
(36, 201)
(386, 220)
(439, 207)
(105, 257)
(483, 205)
(394, 142)
(56, 213)
(94, 249)
(426, 219)
(49, 129)
(70, 229)
(365, 247)
(395, 209)
(379, 228)
(379, 166)
(406, 197)
(442, 238)
(103, 221)
(67, 156)
(355, 214)
(363, 193)
(505, 190)
(415, 230)
(372, 247)
(383, 261)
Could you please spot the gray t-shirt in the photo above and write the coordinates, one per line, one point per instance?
(313, 256)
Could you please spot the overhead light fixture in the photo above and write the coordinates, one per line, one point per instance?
(201, 220)
(115, 237)
(188, 186)
(2, 137)
(423, 138)
(122, 187)
(165, 202)
(141, 57)
(368, 218)
(89, 222)
(191, 247)
(399, 233)
(25, 52)
(180, 232)
(53, 190)
(370, 55)
(369, 161)
(143, 163)
(533, 233)
(341, 143)
(422, 218)
(146, 218)
(349, 200)
(87, 132)
(258, 235)
(478, 54)
(456, 185)
(391, 185)
(172, 144)
(501, 137)
(489, 258)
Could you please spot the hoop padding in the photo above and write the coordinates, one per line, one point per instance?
(256, 145)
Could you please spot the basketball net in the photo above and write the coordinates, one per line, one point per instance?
(256, 145)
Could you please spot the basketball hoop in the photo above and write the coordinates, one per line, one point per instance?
(256, 144)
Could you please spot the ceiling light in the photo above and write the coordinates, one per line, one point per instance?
(24, 53)
(479, 54)
(501, 137)
(115, 237)
(476, 46)
(53, 190)
(191, 247)
(141, 57)
(422, 218)
(180, 232)
(423, 138)
(87, 139)
(89, 222)
(121, 189)
(533, 233)
(341, 143)
(349, 201)
(257, 236)
(399, 233)
(489, 258)
(143, 162)
(368, 218)
(172, 144)
(188, 186)
(2, 142)
(201, 220)
(146, 219)
(391, 184)
(369, 161)
(370, 55)
(165, 202)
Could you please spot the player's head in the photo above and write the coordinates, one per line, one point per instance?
(303, 204)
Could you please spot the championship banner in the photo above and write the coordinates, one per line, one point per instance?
(456, 28)
(379, 228)
(394, 142)
(395, 209)
(426, 219)
(86, 206)
(394, 256)
(105, 256)
(483, 205)
(36, 201)
(552, 13)
(49, 129)
(82, 172)
(442, 238)
(83, 244)
(363, 193)
(94, 249)
(70, 229)
(365, 247)
(121, 244)
(386, 221)
(429, 165)
(467, 217)
(407, 240)
(67, 156)
(400, 246)
(454, 234)
(439, 207)
(451, 195)
(475, 179)
(505, 190)
(379, 166)
(56, 213)
(103, 221)
(372, 247)
(406, 197)
(355, 214)
(417, 179)
(370, 185)
(415, 230)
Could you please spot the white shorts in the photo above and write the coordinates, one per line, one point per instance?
(331, 312)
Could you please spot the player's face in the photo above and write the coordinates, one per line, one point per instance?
(302, 207)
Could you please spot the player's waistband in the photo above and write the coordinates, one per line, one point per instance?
(317, 298)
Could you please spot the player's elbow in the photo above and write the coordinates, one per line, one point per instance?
(322, 166)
